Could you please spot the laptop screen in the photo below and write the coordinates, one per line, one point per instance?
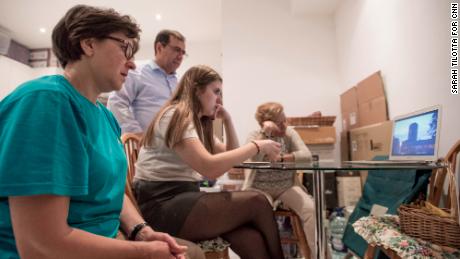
(416, 135)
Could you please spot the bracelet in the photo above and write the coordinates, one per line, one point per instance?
(136, 229)
(257, 146)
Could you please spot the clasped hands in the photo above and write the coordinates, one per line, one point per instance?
(161, 245)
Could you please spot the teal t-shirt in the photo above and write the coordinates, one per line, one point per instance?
(55, 141)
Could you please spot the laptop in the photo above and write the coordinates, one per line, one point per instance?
(414, 140)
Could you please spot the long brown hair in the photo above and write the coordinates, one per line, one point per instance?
(187, 107)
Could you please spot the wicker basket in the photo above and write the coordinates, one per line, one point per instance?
(311, 121)
(416, 222)
(444, 231)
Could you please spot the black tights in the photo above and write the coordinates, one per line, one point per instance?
(245, 219)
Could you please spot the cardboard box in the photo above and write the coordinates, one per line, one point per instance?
(348, 190)
(370, 141)
(345, 146)
(373, 111)
(364, 104)
(317, 135)
(325, 152)
(349, 109)
(372, 104)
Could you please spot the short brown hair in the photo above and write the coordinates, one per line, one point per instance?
(83, 22)
(165, 35)
(268, 112)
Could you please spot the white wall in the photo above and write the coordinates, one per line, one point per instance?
(271, 55)
(15, 73)
(409, 41)
(204, 52)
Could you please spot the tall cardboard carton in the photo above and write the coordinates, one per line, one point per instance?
(349, 109)
(372, 104)
(345, 146)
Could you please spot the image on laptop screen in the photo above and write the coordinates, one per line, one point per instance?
(416, 135)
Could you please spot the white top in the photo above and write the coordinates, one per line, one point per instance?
(161, 163)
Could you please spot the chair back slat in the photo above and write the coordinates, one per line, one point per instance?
(131, 145)
(439, 176)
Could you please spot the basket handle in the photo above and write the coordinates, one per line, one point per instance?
(453, 192)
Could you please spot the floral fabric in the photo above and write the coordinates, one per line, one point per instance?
(216, 244)
(385, 231)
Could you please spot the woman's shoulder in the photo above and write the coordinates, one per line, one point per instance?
(255, 134)
(53, 87)
(166, 114)
(164, 118)
(290, 131)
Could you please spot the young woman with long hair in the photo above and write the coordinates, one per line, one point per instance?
(179, 149)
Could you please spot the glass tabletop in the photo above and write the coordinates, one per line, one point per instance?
(336, 166)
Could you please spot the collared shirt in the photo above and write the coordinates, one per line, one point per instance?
(145, 91)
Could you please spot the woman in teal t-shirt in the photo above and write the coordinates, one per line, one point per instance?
(62, 166)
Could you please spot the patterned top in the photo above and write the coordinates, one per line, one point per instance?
(272, 179)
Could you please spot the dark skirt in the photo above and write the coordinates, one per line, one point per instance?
(166, 205)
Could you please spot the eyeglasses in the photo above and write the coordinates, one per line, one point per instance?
(126, 46)
(178, 50)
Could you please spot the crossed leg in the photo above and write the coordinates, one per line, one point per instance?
(245, 219)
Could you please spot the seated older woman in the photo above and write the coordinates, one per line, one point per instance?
(282, 186)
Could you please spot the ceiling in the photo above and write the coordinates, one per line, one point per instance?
(198, 20)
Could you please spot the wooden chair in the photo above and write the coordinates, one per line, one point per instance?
(131, 144)
(438, 177)
(434, 196)
(298, 235)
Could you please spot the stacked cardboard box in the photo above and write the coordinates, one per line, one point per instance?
(362, 105)
(324, 152)
(316, 135)
(366, 129)
(372, 104)
(370, 141)
(320, 140)
(349, 109)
